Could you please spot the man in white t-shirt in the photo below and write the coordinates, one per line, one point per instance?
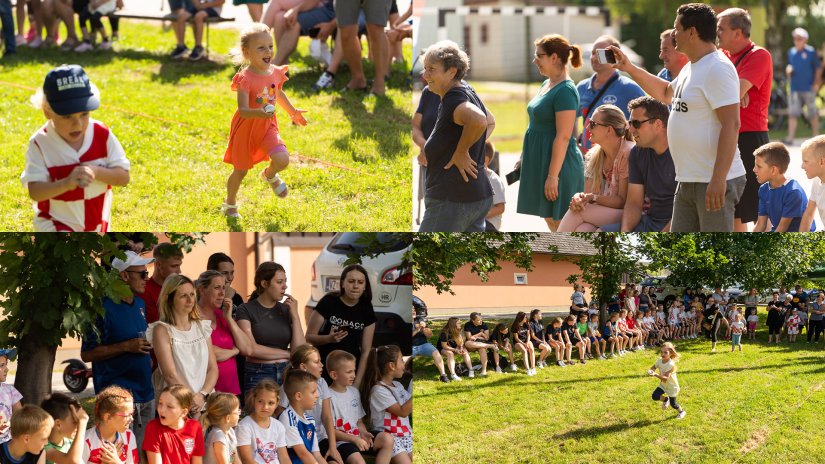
(813, 163)
(703, 126)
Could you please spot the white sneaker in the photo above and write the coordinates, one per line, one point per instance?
(513, 368)
(83, 47)
(455, 378)
(498, 370)
(561, 363)
(681, 414)
(326, 55)
(602, 357)
(471, 374)
(105, 45)
(36, 42)
(664, 404)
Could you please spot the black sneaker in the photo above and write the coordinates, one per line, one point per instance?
(324, 82)
(445, 379)
(197, 53)
(178, 52)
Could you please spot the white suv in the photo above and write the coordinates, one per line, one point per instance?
(390, 282)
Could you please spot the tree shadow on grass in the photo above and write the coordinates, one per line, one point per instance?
(388, 125)
(173, 71)
(55, 57)
(597, 430)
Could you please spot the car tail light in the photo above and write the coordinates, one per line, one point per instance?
(397, 276)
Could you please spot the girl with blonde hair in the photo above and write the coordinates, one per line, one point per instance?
(668, 389)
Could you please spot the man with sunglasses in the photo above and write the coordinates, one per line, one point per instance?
(651, 175)
(120, 355)
(703, 125)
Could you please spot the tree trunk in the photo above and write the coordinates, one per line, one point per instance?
(34, 369)
(775, 10)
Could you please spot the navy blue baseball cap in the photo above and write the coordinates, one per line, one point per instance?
(67, 90)
(9, 353)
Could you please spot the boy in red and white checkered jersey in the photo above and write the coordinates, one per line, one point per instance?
(347, 413)
(72, 161)
(390, 402)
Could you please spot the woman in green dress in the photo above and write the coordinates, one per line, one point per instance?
(552, 167)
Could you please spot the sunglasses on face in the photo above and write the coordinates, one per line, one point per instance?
(593, 124)
(143, 274)
(637, 124)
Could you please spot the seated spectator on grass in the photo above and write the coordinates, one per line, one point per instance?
(30, 429)
(537, 337)
(451, 344)
(554, 337)
(501, 338)
(476, 338)
(421, 346)
(290, 19)
(198, 11)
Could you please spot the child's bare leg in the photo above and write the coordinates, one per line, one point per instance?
(401, 458)
(233, 183)
(383, 444)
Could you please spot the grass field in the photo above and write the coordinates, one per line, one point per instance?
(349, 168)
(762, 405)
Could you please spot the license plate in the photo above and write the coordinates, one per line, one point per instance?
(332, 284)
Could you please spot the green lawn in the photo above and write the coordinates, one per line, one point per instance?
(350, 166)
(761, 405)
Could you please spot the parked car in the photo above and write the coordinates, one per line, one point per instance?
(391, 284)
(665, 293)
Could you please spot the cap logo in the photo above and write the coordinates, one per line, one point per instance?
(71, 82)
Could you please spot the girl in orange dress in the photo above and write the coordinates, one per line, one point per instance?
(254, 136)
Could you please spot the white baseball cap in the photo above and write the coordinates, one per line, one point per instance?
(799, 32)
(132, 259)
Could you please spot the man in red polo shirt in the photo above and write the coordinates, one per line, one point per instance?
(755, 69)
(168, 259)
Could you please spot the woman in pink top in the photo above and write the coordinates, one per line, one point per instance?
(228, 339)
(605, 174)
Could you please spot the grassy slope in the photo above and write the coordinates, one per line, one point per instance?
(173, 121)
(761, 405)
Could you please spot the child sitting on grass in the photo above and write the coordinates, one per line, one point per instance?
(501, 338)
(73, 160)
(9, 396)
(30, 429)
(596, 339)
(350, 430)
(782, 201)
(65, 444)
(301, 389)
(451, 343)
(555, 338)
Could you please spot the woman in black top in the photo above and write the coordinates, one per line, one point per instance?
(537, 336)
(775, 320)
(521, 340)
(345, 320)
(458, 192)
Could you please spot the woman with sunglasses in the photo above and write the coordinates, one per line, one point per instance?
(552, 170)
(605, 185)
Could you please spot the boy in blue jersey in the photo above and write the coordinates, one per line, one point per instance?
(781, 200)
(301, 389)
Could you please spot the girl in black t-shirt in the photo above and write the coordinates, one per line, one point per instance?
(553, 336)
(345, 320)
(521, 340)
(537, 336)
(572, 338)
(501, 337)
(451, 343)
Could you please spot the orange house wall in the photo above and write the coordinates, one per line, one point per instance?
(546, 288)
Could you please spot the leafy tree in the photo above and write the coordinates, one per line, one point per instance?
(437, 256)
(615, 260)
(761, 261)
(51, 287)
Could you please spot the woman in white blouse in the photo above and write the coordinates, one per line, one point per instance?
(182, 342)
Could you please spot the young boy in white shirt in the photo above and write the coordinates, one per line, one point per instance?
(813, 163)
